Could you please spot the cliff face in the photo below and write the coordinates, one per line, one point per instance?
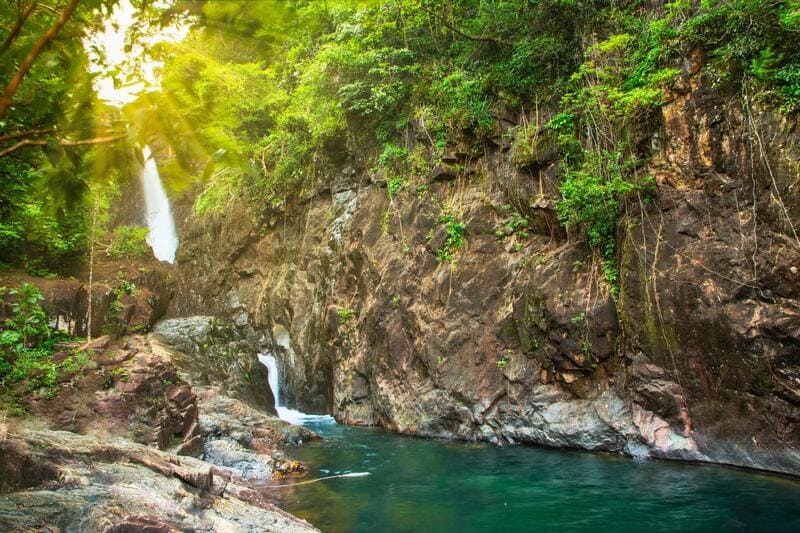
(517, 340)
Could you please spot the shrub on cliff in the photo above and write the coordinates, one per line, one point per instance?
(129, 242)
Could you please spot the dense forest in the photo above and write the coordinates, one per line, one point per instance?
(476, 219)
(261, 98)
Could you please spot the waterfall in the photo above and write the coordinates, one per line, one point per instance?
(162, 237)
(284, 413)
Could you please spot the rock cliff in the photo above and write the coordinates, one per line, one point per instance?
(518, 339)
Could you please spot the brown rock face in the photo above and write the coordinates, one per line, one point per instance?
(125, 389)
(710, 288)
(519, 339)
(114, 310)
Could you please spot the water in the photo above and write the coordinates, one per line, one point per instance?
(285, 413)
(422, 485)
(162, 237)
(427, 485)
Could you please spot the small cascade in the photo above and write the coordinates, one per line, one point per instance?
(284, 413)
(162, 237)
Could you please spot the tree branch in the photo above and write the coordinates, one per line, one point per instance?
(25, 133)
(38, 47)
(12, 35)
(452, 28)
(63, 142)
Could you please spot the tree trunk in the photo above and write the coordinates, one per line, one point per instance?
(12, 35)
(91, 268)
(38, 47)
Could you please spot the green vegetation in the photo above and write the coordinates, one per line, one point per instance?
(454, 241)
(27, 343)
(113, 323)
(320, 78)
(579, 318)
(591, 198)
(345, 314)
(57, 140)
(263, 101)
(129, 242)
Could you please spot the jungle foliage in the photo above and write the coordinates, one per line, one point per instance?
(263, 99)
(27, 342)
(57, 139)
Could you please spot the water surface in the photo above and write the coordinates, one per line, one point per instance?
(422, 485)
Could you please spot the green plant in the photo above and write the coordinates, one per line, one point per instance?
(518, 224)
(27, 342)
(586, 347)
(580, 317)
(501, 363)
(76, 361)
(454, 241)
(112, 323)
(563, 120)
(394, 185)
(28, 324)
(392, 156)
(591, 197)
(345, 314)
(129, 242)
(126, 287)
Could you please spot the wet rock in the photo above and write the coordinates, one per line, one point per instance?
(230, 454)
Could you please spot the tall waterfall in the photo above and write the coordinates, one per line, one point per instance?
(284, 413)
(162, 237)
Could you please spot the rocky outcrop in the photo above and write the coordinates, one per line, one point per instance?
(710, 290)
(118, 388)
(240, 437)
(519, 339)
(139, 448)
(124, 298)
(210, 351)
(79, 483)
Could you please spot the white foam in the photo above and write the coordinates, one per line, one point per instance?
(287, 414)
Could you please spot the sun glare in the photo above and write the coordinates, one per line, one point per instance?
(123, 74)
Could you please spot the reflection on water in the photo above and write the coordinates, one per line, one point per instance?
(419, 485)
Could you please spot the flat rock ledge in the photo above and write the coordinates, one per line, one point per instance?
(62, 481)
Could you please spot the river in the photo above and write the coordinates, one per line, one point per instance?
(429, 485)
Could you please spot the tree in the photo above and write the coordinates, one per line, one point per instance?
(56, 137)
